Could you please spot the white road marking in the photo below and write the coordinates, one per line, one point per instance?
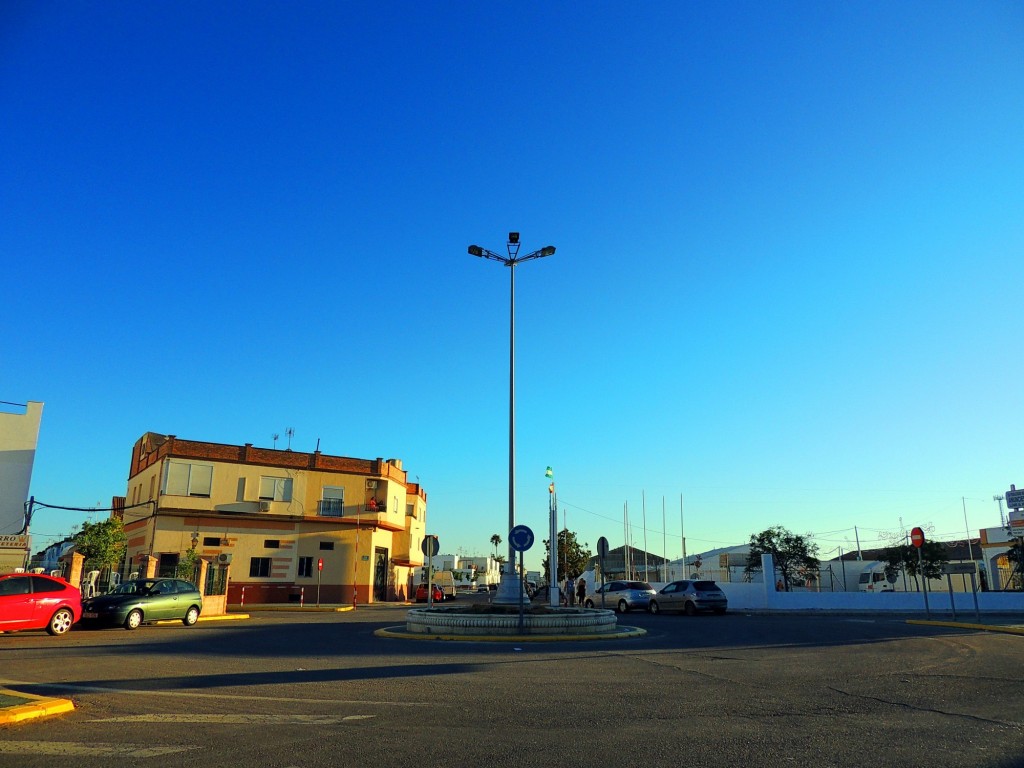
(78, 749)
(195, 695)
(239, 719)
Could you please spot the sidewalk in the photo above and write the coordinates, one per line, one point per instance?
(1009, 626)
(313, 608)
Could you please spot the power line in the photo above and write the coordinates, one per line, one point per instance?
(91, 509)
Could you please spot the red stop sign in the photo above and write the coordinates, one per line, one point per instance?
(320, 564)
(917, 537)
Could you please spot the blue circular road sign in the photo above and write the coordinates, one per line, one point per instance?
(430, 546)
(521, 538)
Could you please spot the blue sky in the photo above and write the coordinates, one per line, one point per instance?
(789, 236)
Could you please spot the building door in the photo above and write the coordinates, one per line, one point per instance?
(380, 574)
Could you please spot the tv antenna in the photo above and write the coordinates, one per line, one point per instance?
(275, 436)
(291, 433)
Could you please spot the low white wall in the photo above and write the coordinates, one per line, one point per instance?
(758, 596)
(763, 597)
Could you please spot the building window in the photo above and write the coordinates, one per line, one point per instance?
(305, 567)
(332, 503)
(410, 510)
(259, 567)
(211, 541)
(327, 545)
(275, 489)
(187, 479)
(271, 543)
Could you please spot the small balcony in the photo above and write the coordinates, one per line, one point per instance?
(330, 507)
(375, 507)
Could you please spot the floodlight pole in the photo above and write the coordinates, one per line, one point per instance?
(511, 587)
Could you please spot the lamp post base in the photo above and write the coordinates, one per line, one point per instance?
(509, 589)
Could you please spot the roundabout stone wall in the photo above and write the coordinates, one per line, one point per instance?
(565, 621)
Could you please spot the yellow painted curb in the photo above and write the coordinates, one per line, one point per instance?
(402, 635)
(37, 706)
(290, 608)
(1009, 630)
(224, 617)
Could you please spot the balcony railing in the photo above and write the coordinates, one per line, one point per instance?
(330, 507)
(374, 506)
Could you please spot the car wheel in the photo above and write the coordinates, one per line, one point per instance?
(60, 622)
(589, 604)
(623, 606)
(134, 619)
(691, 609)
(191, 617)
(652, 606)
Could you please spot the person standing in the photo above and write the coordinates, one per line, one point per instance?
(581, 591)
(570, 591)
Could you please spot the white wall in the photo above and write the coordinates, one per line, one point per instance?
(19, 433)
(763, 597)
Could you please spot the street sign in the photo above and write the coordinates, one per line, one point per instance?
(1015, 498)
(430, 546)
(1016, 521)
(959, 568)
(917, 537)
(520, 538)
(602, 547)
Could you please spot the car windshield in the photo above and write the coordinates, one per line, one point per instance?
(135, 588)
(637, 585)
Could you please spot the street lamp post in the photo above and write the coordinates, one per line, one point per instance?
(510, 587)
(553, 548)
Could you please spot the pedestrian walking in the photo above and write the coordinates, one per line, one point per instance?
(570, 591)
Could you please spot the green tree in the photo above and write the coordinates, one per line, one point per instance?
(187, 565)
(903, 558)
(794, 554)
(102, 544)
(495, 541)
(1015, 556)
(572, 556)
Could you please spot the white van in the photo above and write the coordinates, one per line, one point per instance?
(873, 579)
(445, 581)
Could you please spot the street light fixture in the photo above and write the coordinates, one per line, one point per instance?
(510, 587)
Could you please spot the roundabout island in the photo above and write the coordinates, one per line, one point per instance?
(489, 622)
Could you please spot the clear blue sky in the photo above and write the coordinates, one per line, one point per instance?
(787, 287)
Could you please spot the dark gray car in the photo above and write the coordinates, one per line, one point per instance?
(689, 596)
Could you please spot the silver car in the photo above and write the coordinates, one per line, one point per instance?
(689, 596)
(622, 595)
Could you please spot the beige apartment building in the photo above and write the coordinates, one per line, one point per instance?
(283, 525)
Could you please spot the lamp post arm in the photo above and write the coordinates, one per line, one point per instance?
(538, 254)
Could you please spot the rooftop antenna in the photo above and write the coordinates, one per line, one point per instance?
(275, 436)
(290, 432)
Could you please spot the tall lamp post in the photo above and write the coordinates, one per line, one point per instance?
(510, 587)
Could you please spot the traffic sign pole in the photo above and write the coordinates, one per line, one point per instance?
(319, 572)
(520, 539)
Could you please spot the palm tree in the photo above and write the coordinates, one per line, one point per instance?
(495, 541)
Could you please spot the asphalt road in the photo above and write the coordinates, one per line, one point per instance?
(284, 689)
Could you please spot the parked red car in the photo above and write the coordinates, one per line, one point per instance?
(421, 593)
(34, 601)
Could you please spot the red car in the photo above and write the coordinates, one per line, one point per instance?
(34, 601)
(421, 593)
